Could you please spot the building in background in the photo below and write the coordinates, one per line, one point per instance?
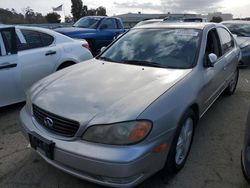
(225, 17)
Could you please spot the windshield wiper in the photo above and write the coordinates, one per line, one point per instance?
(106, 59)
(143, 63)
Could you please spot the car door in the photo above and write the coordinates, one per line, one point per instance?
(230, 53)
(108, 29)
(37, 55)
(10, 90)
(213, 76)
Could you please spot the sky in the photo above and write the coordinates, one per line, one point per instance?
(114, 7)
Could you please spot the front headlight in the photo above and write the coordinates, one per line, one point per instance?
(124, 133)
(28, 103)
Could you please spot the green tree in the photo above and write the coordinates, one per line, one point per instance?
(101, 11)
(84, 11)
(29, 15)
(76, 9)
(216, 19)
(53, 17)
(91, 12)
(69, 19)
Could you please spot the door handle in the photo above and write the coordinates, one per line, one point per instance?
(50, 53)
(7, 65)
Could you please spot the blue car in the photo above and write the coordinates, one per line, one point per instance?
(99, 31)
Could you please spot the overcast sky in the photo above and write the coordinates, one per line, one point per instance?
(238, 8)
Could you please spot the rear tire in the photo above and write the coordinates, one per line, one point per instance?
(181, 144)
(232, 85)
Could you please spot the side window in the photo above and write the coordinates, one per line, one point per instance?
(119, 25)
(32, 38)
(109, 24)
(213, 44)
(35, 39)
(46, 39)
(227, 41)
(9, 41)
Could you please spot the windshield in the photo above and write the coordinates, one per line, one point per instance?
(166, 48)
(88, 22)
(239, 29)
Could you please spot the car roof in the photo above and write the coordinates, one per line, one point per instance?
(237, 22)
(5, 26)
(184, 25)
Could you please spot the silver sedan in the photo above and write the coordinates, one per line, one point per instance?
(118, 119)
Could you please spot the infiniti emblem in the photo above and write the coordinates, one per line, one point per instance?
(48, 122)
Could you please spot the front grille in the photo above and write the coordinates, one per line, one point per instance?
(61, 126)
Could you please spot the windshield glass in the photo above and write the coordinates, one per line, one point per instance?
(88, 22)
(239, 29)
(166, 48)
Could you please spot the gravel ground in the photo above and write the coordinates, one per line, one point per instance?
(214, 159)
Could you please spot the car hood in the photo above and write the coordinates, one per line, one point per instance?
(72, 30)
(103, 92)
(243, 41)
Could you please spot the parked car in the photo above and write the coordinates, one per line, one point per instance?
(183, 19)
(99, 31)
(242, 30)
(134, 108)
(245, 155)
(150, 21)
(28, 54)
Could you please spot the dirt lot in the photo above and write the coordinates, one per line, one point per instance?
(214, 160)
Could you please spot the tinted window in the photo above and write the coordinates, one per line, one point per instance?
(119, 24)
(166, 48)
(109, 24)
(46, 39)
(9, 41)
(226, 39)
(35, 39)
(32, 38)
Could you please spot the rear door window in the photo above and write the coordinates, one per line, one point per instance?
(109, 24)
(35, 39)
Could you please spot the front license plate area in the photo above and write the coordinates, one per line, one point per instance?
(47, 146)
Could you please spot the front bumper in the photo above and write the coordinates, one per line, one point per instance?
(115, 166)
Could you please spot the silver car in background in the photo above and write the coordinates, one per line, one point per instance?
(118, 119)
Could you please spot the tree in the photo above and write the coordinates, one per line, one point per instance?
(69, 19)
(29, 15)
(84, 11)
(216, 19)
(101, 11)
(53, 17)
(76, 9)
(92, 12)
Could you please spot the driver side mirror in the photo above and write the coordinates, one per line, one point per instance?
(212, 59)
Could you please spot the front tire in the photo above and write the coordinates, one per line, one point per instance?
(243, 169)
(181, 144)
